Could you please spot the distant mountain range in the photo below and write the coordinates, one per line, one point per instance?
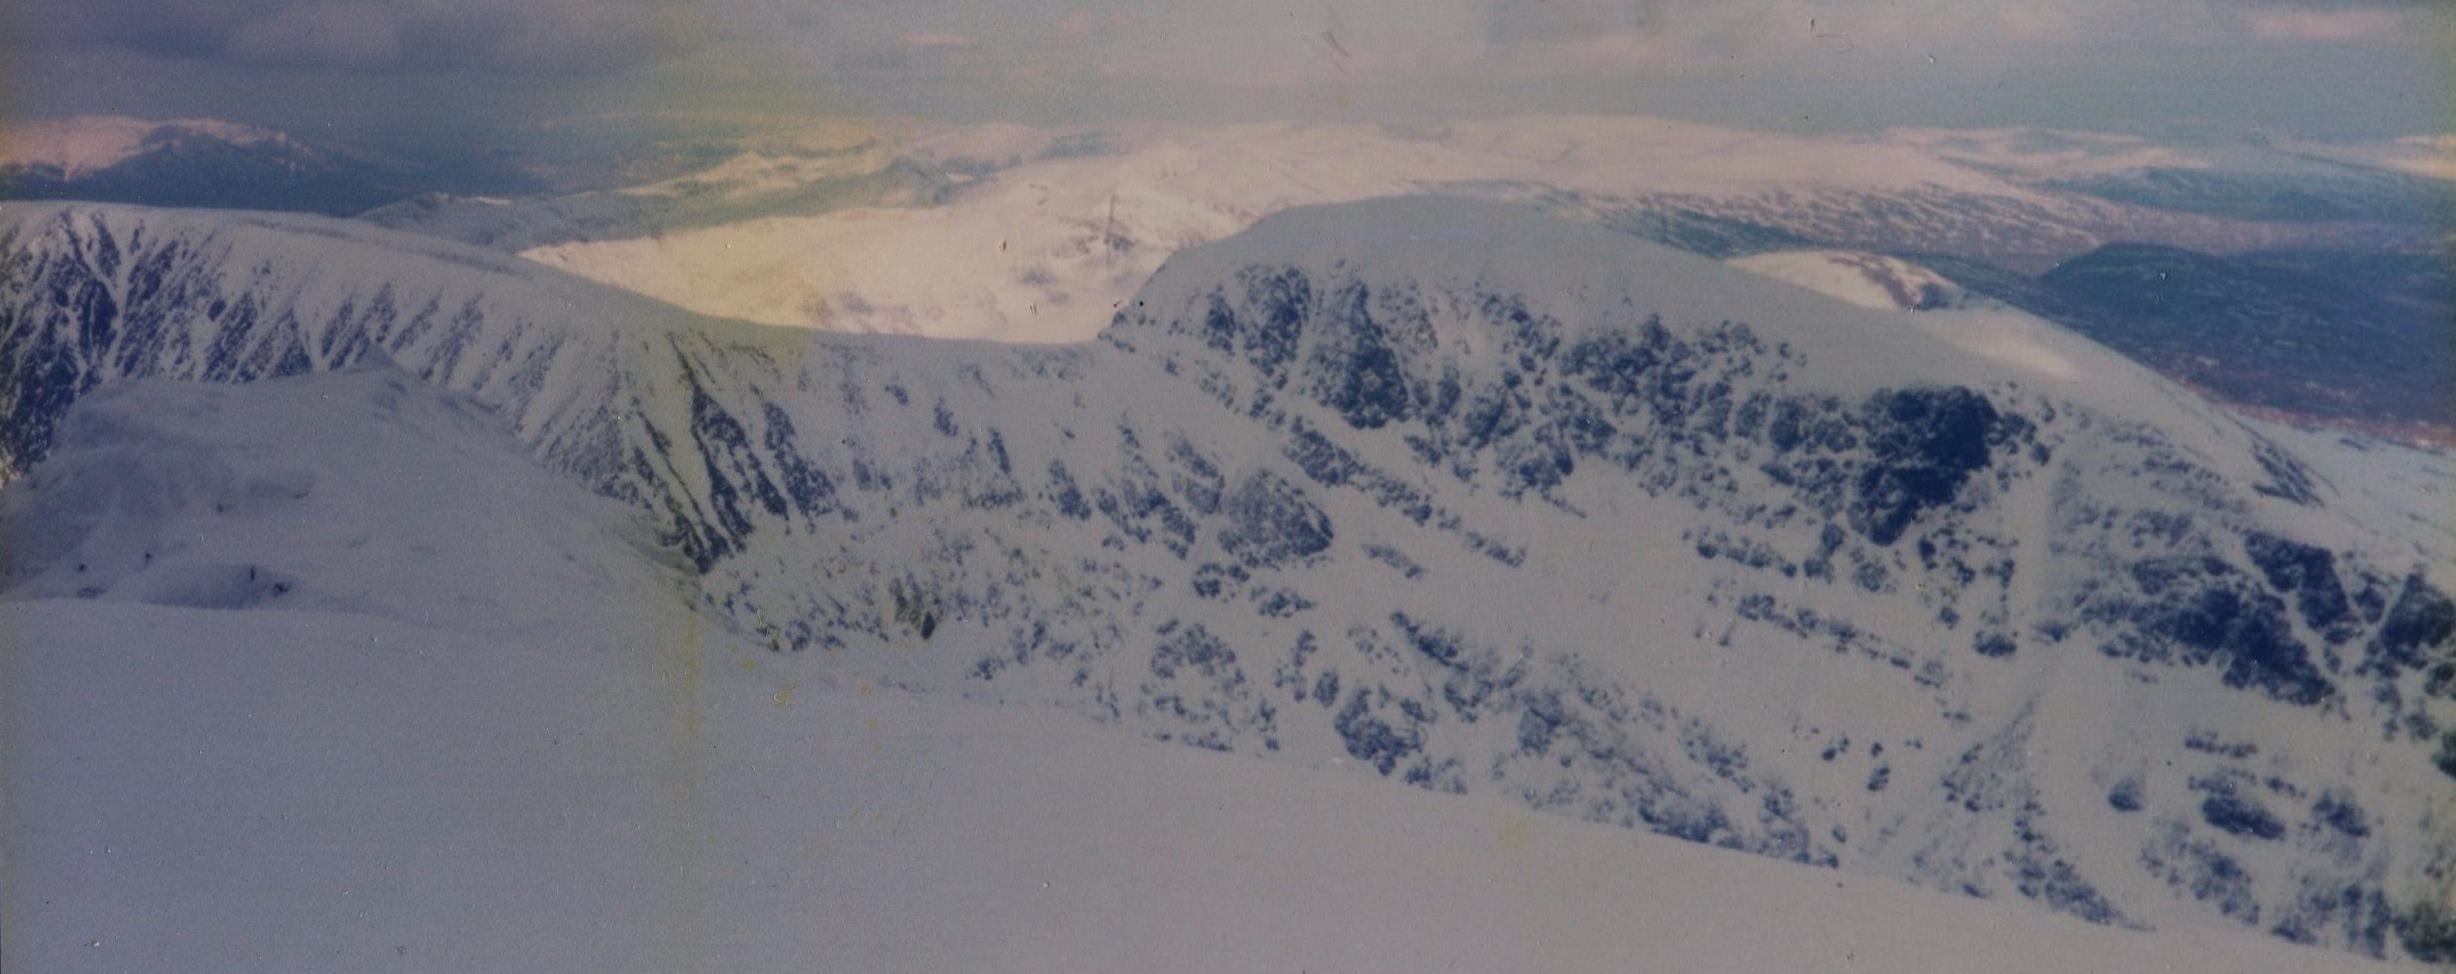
(1030, 235)
(2308, 279)
(189, 162)
(1036, 235)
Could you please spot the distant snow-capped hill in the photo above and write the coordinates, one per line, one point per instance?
(754, 188)
(188, 162)
(2421, 155)
(2402, 181)
(78, 147)
(1482, 501)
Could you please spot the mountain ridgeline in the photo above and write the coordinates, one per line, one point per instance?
(214, 164)
(1468, 497)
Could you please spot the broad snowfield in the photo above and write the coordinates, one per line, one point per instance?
(303, 787)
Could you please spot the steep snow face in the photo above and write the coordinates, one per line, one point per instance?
(1868, 280)
(95, 294)
(1028, 236)
(1471, 498)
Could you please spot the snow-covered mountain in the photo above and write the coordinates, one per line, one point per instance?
(1472, 498)
(1029, 235)
(1020, 234)
(317, 783)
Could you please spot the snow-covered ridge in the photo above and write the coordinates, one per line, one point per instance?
(1580, 273)
(1486, 502)
(236, 297)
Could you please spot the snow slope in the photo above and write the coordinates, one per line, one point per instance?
(306, 792)
(1473, 499)
(301, 784)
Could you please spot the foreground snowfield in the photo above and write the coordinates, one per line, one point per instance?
(285, 791)
(586, 774)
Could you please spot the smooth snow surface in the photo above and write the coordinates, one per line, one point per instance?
(262, 791)
(313, 784)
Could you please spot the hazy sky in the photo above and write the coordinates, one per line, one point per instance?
(2311, 67)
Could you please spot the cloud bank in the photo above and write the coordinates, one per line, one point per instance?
(1157, 56)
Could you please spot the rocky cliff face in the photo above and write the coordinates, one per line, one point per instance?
(1461, 496)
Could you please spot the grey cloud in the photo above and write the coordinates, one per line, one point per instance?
(538, 36)
(1546, 21)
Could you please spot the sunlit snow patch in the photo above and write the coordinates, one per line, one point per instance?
(1861, 278)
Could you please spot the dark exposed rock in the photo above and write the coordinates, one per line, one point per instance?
(2309, 574)
(2417, 628)
(1271, 522)
(2200, 611)
(1926, 443)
